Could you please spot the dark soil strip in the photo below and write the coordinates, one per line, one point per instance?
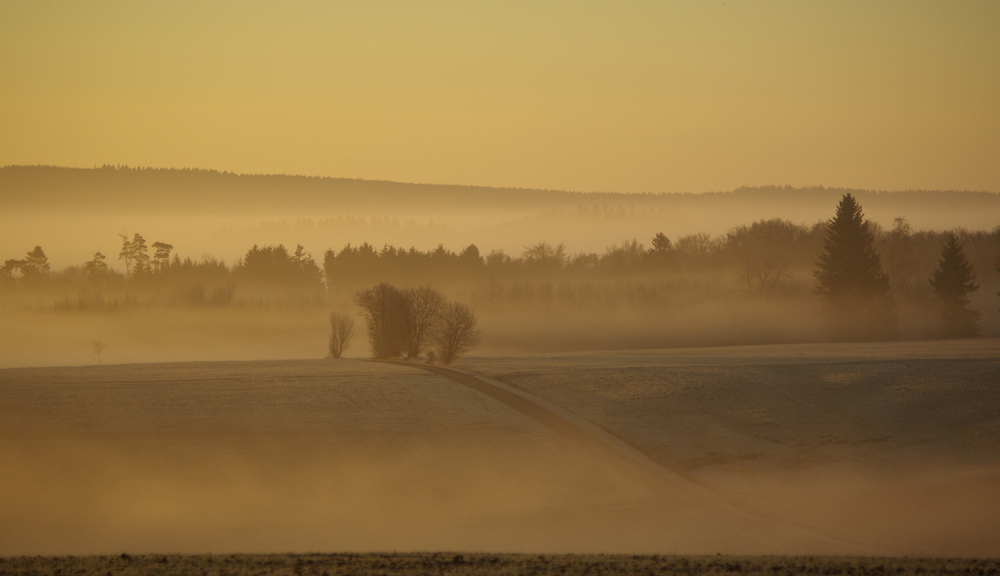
(488, 564)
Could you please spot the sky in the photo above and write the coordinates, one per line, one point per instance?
(591, 96)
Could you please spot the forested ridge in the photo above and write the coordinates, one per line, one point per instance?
(168, 190)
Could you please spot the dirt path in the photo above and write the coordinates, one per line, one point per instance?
(602, 450)
(634, 465)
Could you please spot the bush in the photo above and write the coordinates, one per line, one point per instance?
(341, 333)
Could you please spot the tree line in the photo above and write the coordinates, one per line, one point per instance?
(861, 270)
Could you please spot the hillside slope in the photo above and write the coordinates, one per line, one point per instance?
(896, 445)
(320, 455)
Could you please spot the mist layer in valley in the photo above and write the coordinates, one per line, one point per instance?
(893, 445)
(792, 449)
(75, 212)
(570, 276)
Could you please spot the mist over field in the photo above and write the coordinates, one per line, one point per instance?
(499, 288)
(73, 212)
(826, 449)
(544, 270)
(704, 361)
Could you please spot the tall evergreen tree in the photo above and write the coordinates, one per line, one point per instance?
(36, 263)
(953, 281)
(853, 289)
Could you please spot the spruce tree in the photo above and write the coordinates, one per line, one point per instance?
(853, 289)
(953, 281)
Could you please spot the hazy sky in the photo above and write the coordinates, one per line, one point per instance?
(622, 96)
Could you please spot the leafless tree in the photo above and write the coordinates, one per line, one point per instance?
(545, 256)
(424, 307)
(97, 347)
(457, 332)
(764, 273)
(341, 333)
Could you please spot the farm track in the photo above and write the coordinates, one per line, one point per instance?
(629, 460)
(565, 429)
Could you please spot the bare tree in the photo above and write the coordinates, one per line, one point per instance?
(424, 306)
(97, 347)
(341, 333)
(544, 256)
(457, 332)
(766, 273)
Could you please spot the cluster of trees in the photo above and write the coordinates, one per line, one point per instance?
(31, 269)
(856, 293)
(260, 265)
(761, 259)
(155, 270)
(863, 272)
(761, 247)
(406, 322)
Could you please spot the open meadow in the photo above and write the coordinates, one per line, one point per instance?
(873, 450)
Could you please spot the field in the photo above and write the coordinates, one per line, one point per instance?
(863, 450)
(893, 445)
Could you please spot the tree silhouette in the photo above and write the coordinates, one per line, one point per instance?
(161, 255)
(385, 311)
(544, 256)
(457, 333)
(9, 268)
(424, 306)
(953, 281)
(97, 347)
(274, 266)
(135, 254)
(97, 266)
(660, 243)
(470, 259)
(341, 333)
(35, 264)
(662, 251)
(852, 287)
(126, 255)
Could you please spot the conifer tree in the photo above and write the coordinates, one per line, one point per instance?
(953, 281)
(853, 289)
(36, 264)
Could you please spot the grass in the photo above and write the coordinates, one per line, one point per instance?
(500, 564)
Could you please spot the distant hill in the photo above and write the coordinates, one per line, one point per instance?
(111, 189)
(127, 189)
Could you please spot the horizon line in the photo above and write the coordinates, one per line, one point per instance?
(124, 167)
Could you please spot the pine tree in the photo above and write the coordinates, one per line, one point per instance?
(953, 281)
(853, 289)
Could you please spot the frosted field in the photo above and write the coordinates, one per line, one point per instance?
(833, 449)
(893, 445)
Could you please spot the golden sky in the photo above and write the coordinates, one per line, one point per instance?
(621, 96)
